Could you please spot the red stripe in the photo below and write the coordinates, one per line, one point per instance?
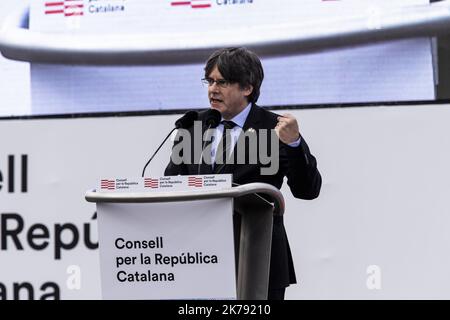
(200, 6)
(73, 6)
(180, 3)
(54, 11)
(52, 4)
(73, 14)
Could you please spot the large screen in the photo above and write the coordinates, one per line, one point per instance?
(400, 70)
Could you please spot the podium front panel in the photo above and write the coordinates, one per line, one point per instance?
(177, 250)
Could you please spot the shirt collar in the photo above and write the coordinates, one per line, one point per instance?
(240, 118)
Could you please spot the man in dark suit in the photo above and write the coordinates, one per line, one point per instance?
(234, 78)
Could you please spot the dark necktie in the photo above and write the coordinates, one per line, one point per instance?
(224, 147)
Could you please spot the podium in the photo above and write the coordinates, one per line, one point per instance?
(254, 203)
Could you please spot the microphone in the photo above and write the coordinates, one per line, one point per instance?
(212, 120)
(185, 122)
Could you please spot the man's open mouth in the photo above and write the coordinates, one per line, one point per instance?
(213, 100)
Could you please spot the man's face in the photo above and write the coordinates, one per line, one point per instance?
(229, 99)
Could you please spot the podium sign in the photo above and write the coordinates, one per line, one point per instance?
(167, 250)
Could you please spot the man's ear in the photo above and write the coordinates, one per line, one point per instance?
(248, 90)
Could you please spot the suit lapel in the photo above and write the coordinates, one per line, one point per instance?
(253, 118)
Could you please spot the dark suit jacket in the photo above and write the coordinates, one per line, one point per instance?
(303, 178)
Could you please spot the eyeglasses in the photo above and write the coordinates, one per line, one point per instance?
(220, 82)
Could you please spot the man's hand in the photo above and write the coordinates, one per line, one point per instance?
(287, 128)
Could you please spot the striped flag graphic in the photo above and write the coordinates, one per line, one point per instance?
(151, 183)
(107, 184)
(67, 7)
(194, 4)
(195, 182)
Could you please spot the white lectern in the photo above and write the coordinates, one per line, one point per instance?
(254, 203)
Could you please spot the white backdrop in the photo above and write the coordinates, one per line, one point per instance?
(379, 229)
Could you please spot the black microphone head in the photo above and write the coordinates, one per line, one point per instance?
(212, 118)
(187, 120)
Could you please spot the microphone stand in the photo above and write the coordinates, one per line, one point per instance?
(145, 167)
